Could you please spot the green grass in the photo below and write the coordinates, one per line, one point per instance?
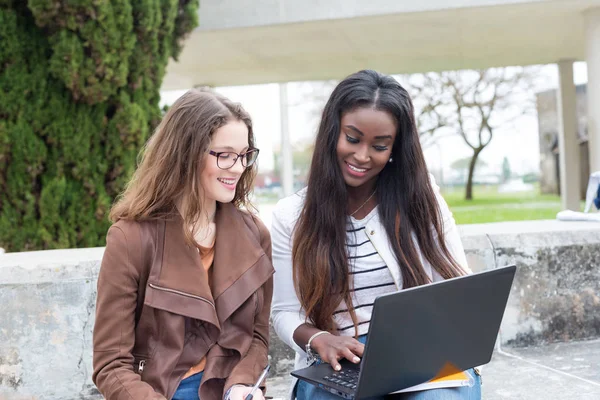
(487, 205)
(490, 206)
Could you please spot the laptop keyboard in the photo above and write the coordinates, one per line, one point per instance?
(346, 378)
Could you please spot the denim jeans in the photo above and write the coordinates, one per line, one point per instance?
(307, 391)
(188, 388)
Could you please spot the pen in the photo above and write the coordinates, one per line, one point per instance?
(257, 384)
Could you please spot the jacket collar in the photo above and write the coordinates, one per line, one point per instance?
(237, 248)
(178, 282)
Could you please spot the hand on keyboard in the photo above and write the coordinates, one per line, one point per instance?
(347, 378)
(332, 348)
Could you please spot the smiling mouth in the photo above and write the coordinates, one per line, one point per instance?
(356, 169)
(226, 181)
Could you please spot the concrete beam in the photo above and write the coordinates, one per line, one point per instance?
(281, 41)
(592, 57)
(568, 142)
(225, 14)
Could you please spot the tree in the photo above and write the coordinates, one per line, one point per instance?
(430, 114)
(473, 104)
(80, 87)
(462, 166)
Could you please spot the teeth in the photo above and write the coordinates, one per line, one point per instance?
(227, 181)
(353, 168)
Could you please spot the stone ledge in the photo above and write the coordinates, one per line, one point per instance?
(542, 233)
(556, 293)
(48, 301)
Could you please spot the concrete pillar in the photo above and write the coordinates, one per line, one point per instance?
(568, 142)
(287, 172)
(592, 57)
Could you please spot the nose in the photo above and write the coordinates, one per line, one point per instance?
(237, 167)
(362, 154)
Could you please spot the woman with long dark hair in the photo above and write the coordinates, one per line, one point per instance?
(371, 221)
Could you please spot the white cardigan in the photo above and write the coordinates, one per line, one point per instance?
(286, 311)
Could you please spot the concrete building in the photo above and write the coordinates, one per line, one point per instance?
(549, 144)
(249, 41)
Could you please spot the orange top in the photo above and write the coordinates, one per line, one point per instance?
(207, 254)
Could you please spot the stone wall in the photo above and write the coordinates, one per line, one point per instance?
(556, 292)
(47, 315)
(48, 301)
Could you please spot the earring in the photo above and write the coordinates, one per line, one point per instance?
(391, 159)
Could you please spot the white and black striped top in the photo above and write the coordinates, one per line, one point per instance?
(371, 277)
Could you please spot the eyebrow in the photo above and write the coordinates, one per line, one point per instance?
(230, 148)
(355, 129)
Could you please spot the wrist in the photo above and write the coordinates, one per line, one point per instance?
(311, 349)
(317, 343)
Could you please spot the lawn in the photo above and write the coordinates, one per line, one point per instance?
(490, 206)
(487, 206)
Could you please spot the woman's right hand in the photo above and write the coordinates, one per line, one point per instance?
(332, 348)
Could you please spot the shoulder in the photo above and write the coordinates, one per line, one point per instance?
(433, 183)
(293, 202)
(129, 243)
(436, 191)
(126, 230)
(258, 229)
(254, 222)
(126, 227)
(443, 206)
(288, 209)
(133, 230)
(137, 240)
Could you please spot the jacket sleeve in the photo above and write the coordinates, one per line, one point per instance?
(249, 368)
(114, 330)
(286, 311)
(451, 233)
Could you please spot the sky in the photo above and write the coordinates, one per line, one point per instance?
(305, 101)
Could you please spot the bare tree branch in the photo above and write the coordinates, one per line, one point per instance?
(473, 104)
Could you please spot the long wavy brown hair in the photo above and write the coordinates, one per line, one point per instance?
(407, 204)
(170, 163)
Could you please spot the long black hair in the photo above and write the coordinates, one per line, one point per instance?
(407, 203)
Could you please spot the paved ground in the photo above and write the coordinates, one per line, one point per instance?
(566, 371)
(559, 371)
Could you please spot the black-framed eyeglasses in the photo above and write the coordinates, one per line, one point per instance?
(227, 159)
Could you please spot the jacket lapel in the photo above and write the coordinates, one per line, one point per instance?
(240, 265)
(178, 283)
(378, 237)
(382, 245)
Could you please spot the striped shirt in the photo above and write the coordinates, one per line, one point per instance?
(370, 278)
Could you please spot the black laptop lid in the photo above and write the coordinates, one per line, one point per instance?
(416, 332)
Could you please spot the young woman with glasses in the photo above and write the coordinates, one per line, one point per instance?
(185, 286)
(371, 221)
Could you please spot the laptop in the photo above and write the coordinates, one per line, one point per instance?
(417, 332)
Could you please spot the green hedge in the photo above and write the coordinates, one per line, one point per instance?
(79, 94)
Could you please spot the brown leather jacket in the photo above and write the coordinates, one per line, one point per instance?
(157, 316)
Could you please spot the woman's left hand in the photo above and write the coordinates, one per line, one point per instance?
(239, 392)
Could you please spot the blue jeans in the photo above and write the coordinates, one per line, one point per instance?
(188, 388)
(307, 391)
